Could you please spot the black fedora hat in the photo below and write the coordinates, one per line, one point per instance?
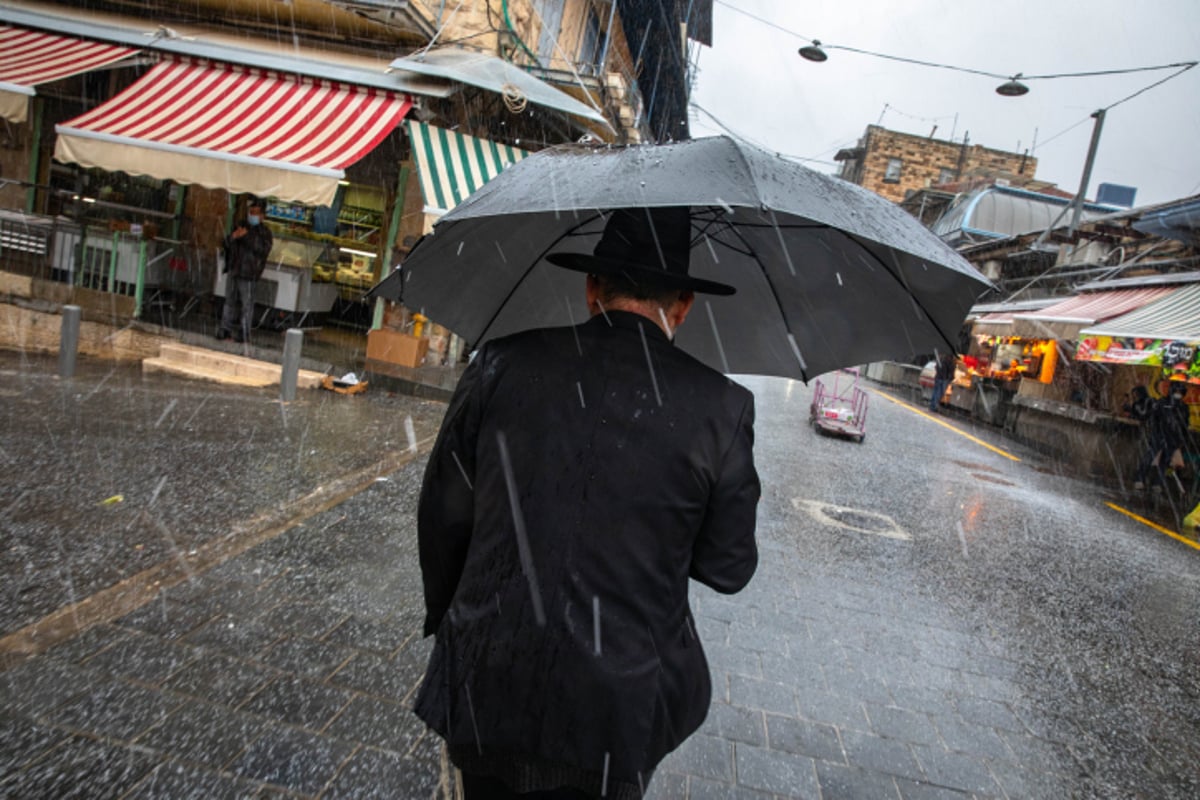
(647, 246)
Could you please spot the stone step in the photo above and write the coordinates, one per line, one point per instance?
(216, 365)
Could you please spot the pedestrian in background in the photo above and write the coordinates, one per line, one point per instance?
(581, 476)
(942, 377)
(246, 249)
(1169, 422)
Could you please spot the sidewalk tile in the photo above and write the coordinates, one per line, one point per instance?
(383, 637)
(307, 619)
(372, 774)
(41, 684)
(735, 723)
(295, 759)
(990, 713)
(805, 738)
(833, 709)
(750, 693)
(732, 660)
(702, 789)
(144, 658)
(205, 734)
(220, 678)
(779, 773)
(306, 657)
(705, 757)
(375, 675)
(758, 639)
(978, 740)
(299, 702)
(388, 726)
(116, 710)
(98, 768)
(23, 741)
(1024, 780)
(803, 674)
(667, 786)
(853, 683)
(900, 723)
(920, 790)
(83, 646)
(957, 771)
(170, 619)
(177, 781)
(854, 783)
(920, 698)
(237, 635)
(885, 755)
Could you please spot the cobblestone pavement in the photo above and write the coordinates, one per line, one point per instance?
(930, 619)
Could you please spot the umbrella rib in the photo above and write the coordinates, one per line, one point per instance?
(898, 279)
(770, 285)
(533, 263)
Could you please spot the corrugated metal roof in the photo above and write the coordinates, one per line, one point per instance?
(1001, 211)
(1175, 316)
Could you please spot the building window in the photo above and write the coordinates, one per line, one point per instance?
(945, 175)
(892, 174)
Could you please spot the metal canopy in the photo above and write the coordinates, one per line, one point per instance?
(494, 74)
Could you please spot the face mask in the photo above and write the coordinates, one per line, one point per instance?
(252, 219)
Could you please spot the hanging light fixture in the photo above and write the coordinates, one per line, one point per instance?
(813, 52)
(1013, 87)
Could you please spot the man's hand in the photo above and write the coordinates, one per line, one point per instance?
(239, 232)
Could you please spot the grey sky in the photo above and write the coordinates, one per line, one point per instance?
(755, 84)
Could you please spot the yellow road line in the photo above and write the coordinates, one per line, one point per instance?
(945, 424)
(1154, 525)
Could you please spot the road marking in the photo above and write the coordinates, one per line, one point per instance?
(135, 591)
(853, 519)
(945, 424)
(1155, 525)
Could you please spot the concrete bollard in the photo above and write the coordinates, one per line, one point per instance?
(290, 372)
(68, 341)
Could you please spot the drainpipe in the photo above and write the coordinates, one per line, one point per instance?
(35, 128)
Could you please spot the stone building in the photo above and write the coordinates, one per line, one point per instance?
(894, 164)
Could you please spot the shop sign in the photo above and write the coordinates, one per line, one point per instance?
(1173, 355)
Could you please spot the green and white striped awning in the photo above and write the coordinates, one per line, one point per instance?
(452, 166)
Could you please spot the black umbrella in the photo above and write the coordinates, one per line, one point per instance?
(827, 274)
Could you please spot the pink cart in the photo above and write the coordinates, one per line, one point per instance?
(842, 409)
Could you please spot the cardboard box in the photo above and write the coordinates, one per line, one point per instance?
(394, 347)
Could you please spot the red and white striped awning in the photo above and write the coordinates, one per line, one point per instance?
(236, 128)
(29, 57)
(1064, 320)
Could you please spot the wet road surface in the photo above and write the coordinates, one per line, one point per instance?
(931, 618)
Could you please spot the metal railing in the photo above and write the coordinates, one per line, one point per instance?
(119, 262)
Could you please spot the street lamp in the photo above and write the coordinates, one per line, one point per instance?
(1013, 88)
(813, 52)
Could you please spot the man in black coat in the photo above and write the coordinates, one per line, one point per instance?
(581, 476)
(246, 249)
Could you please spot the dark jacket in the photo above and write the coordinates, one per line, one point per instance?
(945, 367)
(580, 477)
(246, 257)
(1170, 421)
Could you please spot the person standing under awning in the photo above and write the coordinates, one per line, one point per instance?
(246, 249)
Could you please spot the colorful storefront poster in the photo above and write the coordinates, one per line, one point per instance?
(1173, 355)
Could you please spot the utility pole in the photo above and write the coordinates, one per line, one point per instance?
(1087, 171)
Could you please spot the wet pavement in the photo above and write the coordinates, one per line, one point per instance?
(930, 619)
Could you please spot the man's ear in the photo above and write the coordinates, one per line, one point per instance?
(680, 308)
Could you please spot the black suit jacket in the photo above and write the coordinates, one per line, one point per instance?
(580, 477)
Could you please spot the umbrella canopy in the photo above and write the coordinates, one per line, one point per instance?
(827, 274)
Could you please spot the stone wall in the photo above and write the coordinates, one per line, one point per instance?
(923, 159)
(31, 320)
